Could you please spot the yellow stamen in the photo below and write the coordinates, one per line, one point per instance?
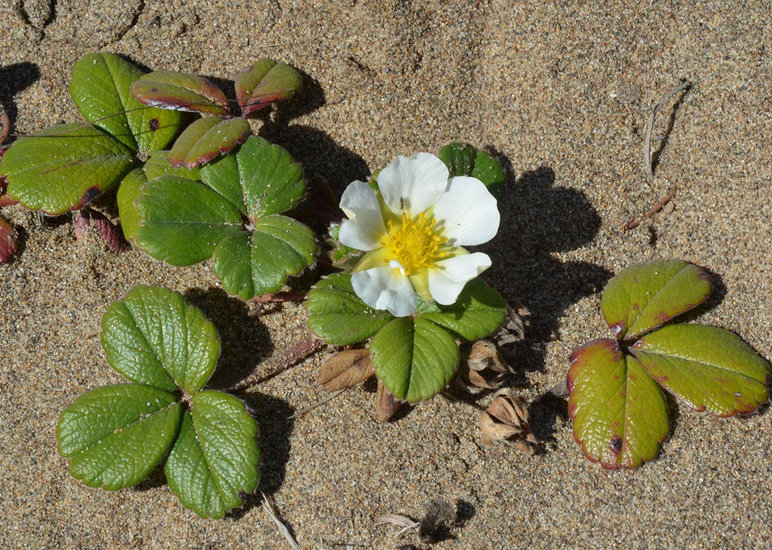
(413, 243)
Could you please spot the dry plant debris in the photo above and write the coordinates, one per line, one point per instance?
(506, 420)
(346, 369)
(484, 369)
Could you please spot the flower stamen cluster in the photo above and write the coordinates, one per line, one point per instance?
(414, 243)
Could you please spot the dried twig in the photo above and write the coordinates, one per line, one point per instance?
(279, 524)
(650, 127)
(396, 519)
(330, 397)
(635, 222)
(289, 358)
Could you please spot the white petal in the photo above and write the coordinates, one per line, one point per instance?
(413, 184)
(448, 278)
(467, 213)
(385, 288)
(364, 228)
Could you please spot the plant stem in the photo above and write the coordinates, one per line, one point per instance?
(286, 296)
(289, 358)
(650, 127)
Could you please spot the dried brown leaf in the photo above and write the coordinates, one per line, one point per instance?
(506, 420)
(512, 331)
(385, 403)
(345, 369)
(484, 369)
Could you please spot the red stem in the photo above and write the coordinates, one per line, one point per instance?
(277, 365)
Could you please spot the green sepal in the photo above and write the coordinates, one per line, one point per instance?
(643, 297)
(216, 457)
(709, 368)
(619, 413)
(338, 316)
(414, 358)
(115, 435)
(64, 167)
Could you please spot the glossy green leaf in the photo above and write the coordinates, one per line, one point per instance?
(261, 176)
(181, 221)
(158, 165)
(181, 92)
(128, 191)
(645, 296)
(619, 412)
(266, 82)
(414, 358)
(115, 435)
(709, 368)
(100, 87)
(216, 456)
(258, 263)
(154, 337)
(206, 139)
(478, 311)
(338, 316)
(463, 159)
(64, 167)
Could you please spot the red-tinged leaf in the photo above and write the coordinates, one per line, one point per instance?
(264, 83)
(709, 368)
(206, 139)
(619, 412)
(9, 242)
(181, 92)
(643, 297)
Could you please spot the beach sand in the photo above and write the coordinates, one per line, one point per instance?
(562, 93)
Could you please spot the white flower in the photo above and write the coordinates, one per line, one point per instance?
(413, 229)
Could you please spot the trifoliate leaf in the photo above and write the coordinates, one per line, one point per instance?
(182, 221)
(128, 191)
(338, 316)
(645, 296)
(266, 82)
(709, 368)
(206, 139)
(154, 337)
(414, 358)
(619, 412)
(216, 456)
(478, 311)
(64, 167)
(115, 435)
(100, 87)
(158, 165)
(181, 92)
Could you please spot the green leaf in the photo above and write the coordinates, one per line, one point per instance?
(181, 92)
(206, 139)
(266, 82)
(182, 221)
(100, 87)
(463, 159)
(414, 358)
(619, 412)
(645, 296)
(709, 368)
(158, 165)
(216, 456)
(64, 167)
(270, 181)
(154, 337)
(115, 435)
(128, 191)
(338, 316)
(478, 311)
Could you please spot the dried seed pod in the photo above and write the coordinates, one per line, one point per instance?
(512, 330)
(345, 369)
(506, 420)
(484, 369)
(385, 403)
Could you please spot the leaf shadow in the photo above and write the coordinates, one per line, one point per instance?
(14, 79)
(244, 338)
(275, 425)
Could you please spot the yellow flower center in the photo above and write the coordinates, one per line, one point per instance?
(413, 243)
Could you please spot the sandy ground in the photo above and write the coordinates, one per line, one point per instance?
(562, 93)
